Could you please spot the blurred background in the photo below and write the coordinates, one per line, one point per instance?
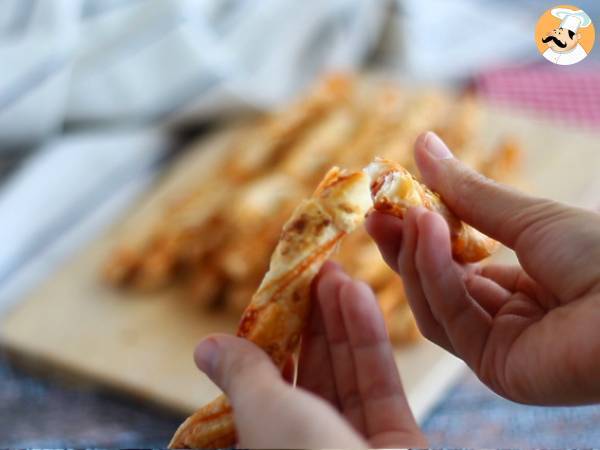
(99, 97)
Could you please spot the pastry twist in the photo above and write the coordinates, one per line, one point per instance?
(394, 189)
(276, 316)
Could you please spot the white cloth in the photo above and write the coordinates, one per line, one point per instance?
(566, 58)
(74, 61)
(451, 40)
(68, 190)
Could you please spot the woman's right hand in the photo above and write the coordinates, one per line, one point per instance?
(530, 332)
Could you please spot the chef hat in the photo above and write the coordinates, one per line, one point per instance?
(572, 20)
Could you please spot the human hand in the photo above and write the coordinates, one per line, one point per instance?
(530, 332)
(349, 392)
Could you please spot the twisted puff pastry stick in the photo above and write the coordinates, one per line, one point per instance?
(276, 316)
(395, 189)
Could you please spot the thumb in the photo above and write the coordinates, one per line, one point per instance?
(237, 366)
(268, 413)
(553, 241)
(495, 209)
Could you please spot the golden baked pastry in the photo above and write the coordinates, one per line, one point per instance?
(395, 189)
(278, 311)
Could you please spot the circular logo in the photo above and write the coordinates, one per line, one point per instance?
(564, 35)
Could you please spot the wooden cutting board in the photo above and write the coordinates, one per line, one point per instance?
(142, 344)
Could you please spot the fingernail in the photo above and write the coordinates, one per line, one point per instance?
(206, 356)
(436, 147)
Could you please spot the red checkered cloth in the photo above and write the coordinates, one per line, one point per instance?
(567, 93)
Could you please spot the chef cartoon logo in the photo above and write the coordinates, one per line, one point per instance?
(564, 35)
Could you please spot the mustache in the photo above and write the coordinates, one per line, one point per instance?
(556, 41)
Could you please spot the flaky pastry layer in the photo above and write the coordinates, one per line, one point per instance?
(394, 189)
(278, 311)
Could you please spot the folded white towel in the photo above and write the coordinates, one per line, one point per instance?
(65, 195)
(73, 61)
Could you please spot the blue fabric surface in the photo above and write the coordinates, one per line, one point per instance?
(37, 412)
(473, 416)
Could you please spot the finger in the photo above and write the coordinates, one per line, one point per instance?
(386, 231)
(268, 413)
(241, 369)
(515, 279)
(490, 295)
(327, 266)
(427, 323)
(466, 323)
(339, 348)
(385, 408)
(315, 371)
(539, 230)
(476, 199)
(511, 278)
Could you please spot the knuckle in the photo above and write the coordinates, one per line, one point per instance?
(271, 395)
(466, 183)
(235, 368)
(534, 222)
(350, 399)
(265, 389)
(378, 389)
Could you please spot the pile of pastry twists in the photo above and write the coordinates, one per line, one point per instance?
(216, 236)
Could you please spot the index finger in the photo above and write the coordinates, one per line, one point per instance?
(466, 323)
(384, 403)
